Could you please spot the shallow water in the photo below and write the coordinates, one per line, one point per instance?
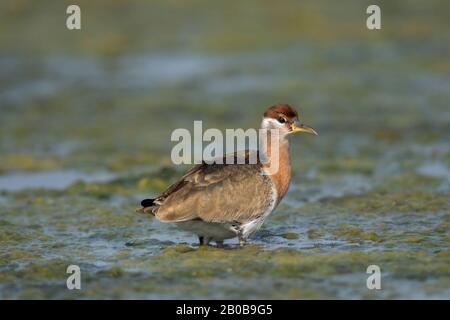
(85, 135)
(58, 179)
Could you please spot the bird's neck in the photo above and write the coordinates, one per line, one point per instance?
(277, 164)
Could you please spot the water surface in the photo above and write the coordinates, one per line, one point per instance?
(85, 135)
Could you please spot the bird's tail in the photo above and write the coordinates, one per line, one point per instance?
(147, 206)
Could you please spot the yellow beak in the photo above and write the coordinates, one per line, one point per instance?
(300, 127)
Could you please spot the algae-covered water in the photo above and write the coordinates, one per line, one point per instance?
(85, 125)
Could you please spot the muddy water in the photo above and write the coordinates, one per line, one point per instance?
(85, 135)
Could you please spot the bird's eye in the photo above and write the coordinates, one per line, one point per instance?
(281, 120)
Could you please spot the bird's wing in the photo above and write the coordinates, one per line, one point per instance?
(216, 193)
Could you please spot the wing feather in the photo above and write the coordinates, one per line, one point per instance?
(216, 193)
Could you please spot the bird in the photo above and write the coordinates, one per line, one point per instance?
(219, 201)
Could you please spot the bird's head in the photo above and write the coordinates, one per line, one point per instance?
(284, 118)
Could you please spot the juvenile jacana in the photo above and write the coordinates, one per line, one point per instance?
(223, 201)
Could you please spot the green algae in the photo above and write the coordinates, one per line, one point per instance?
(32, 294)
(21, 255)
(155, 181)
(414, 239)
(254, 261)
(371, 235)
(314, 233)
(383, 202)
(51, 269)
(379, 101)
(354, 232)
(295, 272)
(114, 272)
(349, 231)
(192, 266)
(355, 165)
(28, 162)
(408, 181)
(290, 236)
(6, 236)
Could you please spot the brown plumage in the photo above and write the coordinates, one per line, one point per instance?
(221, 201)
(281, 109)
(200, 194)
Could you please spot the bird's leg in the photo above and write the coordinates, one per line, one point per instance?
(219, 244)
(242, 239)
(236, 227)
(204, 241)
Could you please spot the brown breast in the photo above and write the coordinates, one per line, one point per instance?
(281, 178)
